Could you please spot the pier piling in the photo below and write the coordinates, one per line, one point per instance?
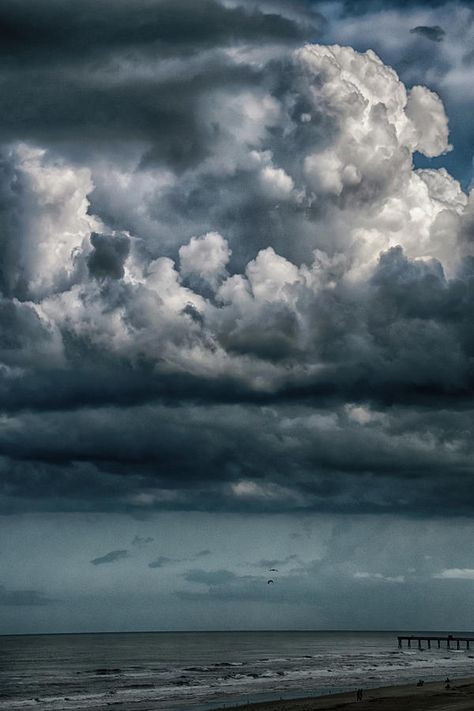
(429, 638)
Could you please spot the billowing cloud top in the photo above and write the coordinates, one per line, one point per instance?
(223, 282)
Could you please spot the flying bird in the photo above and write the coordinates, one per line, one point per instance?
(273, 570)
(269, 581)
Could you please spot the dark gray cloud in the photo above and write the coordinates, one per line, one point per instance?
(23, 598)
(368, 458)
(160, 562)
(21, 332)
(111, 557)
(163, 560)
(356, 460)
(142, 540)
(44, 31)
(56, 67)
(435, 33)
(108, 256)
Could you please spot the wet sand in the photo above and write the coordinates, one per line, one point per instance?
(433, 695)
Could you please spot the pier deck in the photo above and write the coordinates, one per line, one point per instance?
(449, 639)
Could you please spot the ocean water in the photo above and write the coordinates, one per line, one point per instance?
(196, 671)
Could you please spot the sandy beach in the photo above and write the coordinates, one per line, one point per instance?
(433, 695)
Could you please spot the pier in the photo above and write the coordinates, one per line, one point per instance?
(450, 640)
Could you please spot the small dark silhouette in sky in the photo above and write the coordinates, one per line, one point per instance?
(434, 33)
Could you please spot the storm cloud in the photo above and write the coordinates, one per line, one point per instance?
(111, 557)
(434, 33)
(224, 284)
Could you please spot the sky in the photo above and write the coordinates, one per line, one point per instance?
(236, 300)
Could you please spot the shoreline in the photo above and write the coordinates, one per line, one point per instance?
(409, 697)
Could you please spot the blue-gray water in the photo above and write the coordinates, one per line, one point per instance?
(198, 670)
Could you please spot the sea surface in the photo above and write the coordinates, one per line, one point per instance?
(189, 671)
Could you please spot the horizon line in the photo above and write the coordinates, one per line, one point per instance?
(231, 631)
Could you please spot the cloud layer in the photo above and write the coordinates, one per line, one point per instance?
(223, 283)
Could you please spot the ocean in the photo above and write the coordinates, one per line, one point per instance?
(196, 671)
